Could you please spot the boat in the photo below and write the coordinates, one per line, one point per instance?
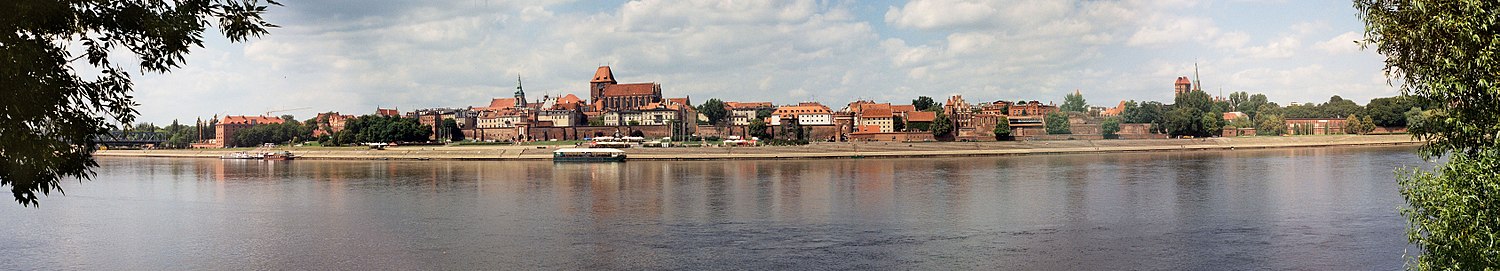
(278, 156)
(240, 155)
(588, 155)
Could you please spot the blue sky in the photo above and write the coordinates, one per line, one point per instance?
(354, 55)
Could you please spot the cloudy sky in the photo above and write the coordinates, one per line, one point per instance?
(354, 55)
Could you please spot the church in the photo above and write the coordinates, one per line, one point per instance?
(606, 94)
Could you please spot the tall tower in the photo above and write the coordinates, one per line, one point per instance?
(602, 77)
(520, 93)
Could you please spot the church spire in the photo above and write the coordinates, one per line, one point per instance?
(520, 93)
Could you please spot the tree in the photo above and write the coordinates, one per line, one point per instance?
(714, 109)
(1057, 123)
(1074, 103)
(1110, 128)
(1352, 125)
(1186, 121)
(1338, 107)
(451, 131)
(51, 115)
(1002, 129)
(1270, 125)
(758, 129)
(924, 103)
(898, 123)
(1367, 125)
(941, 125)
(1390, 111)
(1445, 52)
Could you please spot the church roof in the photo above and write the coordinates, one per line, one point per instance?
(603, 75)
(630, 89)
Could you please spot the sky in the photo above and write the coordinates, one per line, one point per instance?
(352, 56)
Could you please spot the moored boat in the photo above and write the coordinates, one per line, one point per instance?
(240, 155)
(279, 156)
(588, 155)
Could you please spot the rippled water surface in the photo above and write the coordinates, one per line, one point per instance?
(1317, 209)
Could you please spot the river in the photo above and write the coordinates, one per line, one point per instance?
(1308, 208)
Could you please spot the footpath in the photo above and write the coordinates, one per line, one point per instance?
(821, 150)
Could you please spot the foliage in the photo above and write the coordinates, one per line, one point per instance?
(596, 122)
(1354, 125)
(898, 123)
(637, 133)
(1074, 103)
(633, 123)
(1057, 123)
(1241, 122)
(941, 125)
(714, 109)
(378, 129)
(1244, 102)
(1445, 52)
(288, 131)
(1002, 128)
(451, 131)
(919, 126)
(924, 103)
(51, 115)
(1269, 124)
(1110, 128)
(764, 113)
(1186, 121)
(758, 128)
(784, 142)
(1391, 111)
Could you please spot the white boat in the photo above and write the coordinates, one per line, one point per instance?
(241, 155)
(588, 155)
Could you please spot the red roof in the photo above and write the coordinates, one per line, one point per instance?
(1183, 80)
(921, 116)
(387, 112)
(603, 75)
(499, 103)
(903, 108)
(250, 120)
(631, 89)
(570, 98)
(748, 105)
(876, 112)
(681, 101)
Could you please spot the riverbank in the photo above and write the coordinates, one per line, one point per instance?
(820, 150)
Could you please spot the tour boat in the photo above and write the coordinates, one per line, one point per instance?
(240, 155)
(588, 155)
(278, 156)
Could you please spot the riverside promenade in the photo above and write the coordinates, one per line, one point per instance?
(820, 150)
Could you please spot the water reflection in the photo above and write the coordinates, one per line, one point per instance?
(1271, 209)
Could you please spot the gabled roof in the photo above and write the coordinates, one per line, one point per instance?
(603, 75)
(876, 112)
(250, 120)
(921, 116)
(500, 103)
(630, 89)
(903, 108)
(387, 112)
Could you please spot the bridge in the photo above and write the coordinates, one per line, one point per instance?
(131, 139)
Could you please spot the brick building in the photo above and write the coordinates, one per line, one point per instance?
(225, 129)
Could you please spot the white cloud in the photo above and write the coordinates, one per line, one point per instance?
(1343, 43)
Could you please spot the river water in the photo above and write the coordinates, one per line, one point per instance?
(1313, 209)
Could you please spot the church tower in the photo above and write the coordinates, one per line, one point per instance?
(602, 78)
(520, 93)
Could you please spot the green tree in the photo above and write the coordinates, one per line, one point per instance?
(1271, 125)
(51, 115)
(451, 130)
(1057, 123)
(1445, 52)
(1002, 129)
(758, 128)
(941, 125)
(1338, 107)
(898, 123)
(1390, 111)
(924, 103)
(1186, 121)
(1352, 125)
(1074, 103)
(1367, 125)
(714, 109)
(1110, 128)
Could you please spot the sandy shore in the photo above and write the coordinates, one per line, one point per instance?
(815, 150)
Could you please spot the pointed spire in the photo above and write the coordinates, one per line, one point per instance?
(520, 93)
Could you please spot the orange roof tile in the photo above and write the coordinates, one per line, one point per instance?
(250, 120)
(903, 108)
(921, 116)
(603, 75)
(630, 89)
(876, 112)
